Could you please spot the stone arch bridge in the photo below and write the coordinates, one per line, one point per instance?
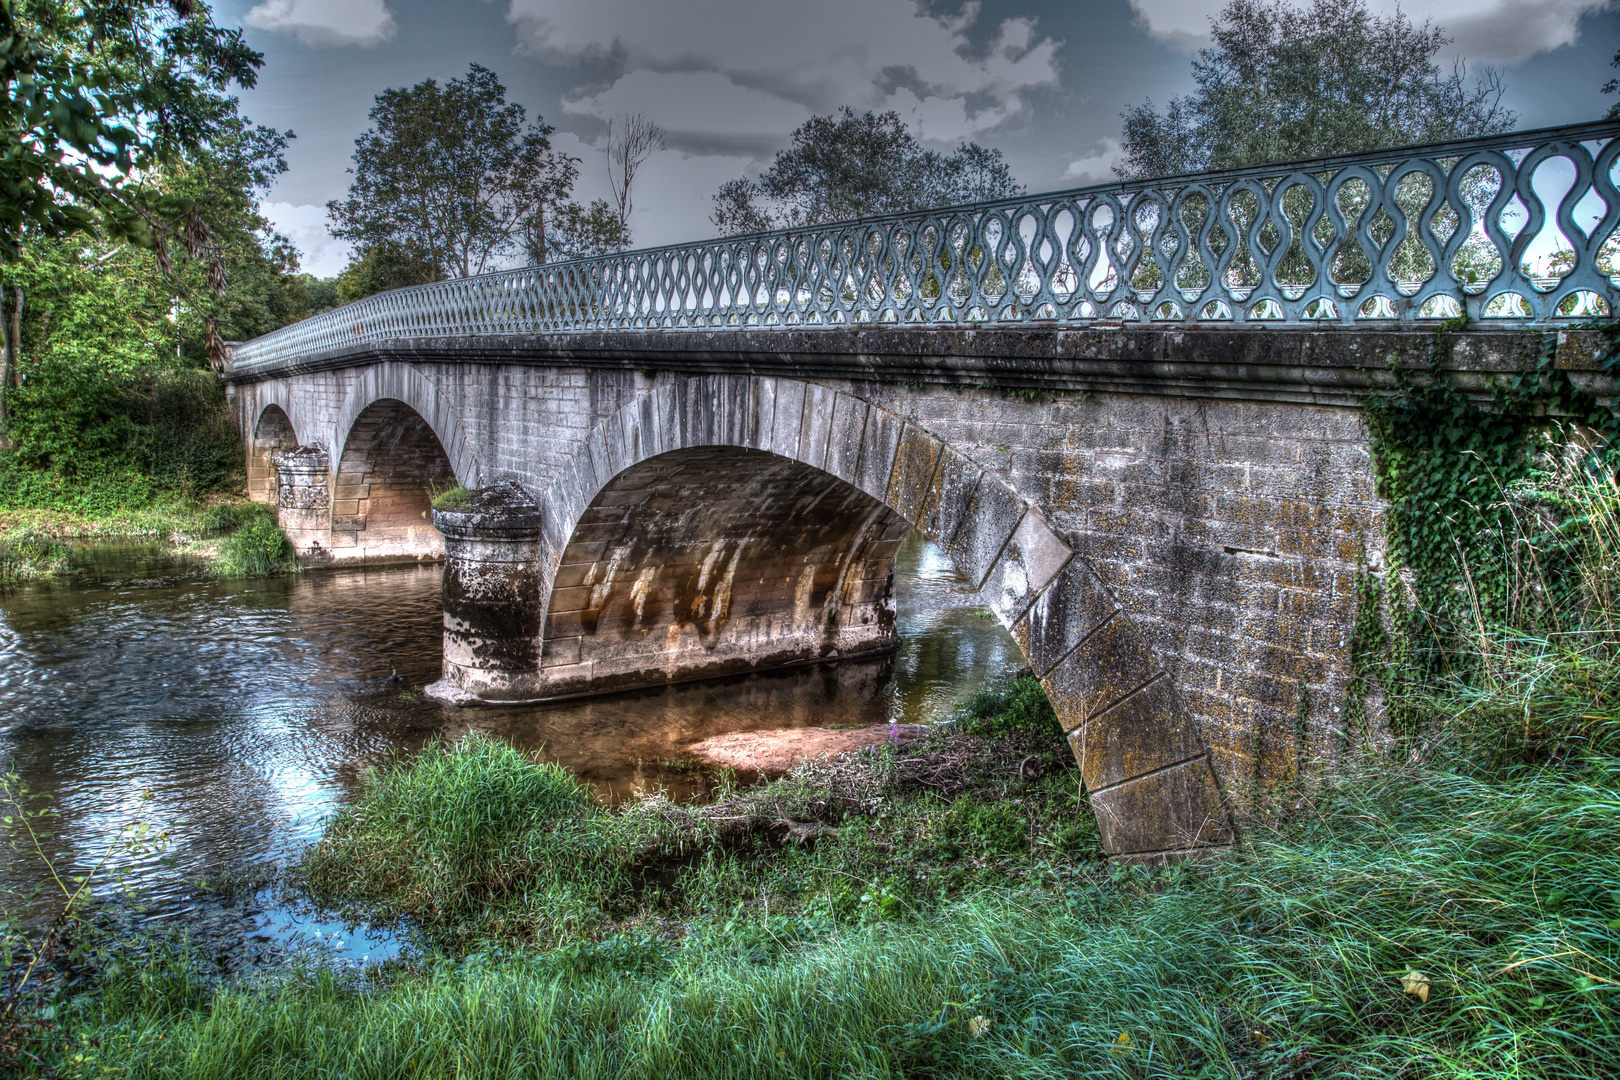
(701, 461)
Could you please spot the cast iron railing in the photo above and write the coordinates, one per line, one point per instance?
(1518, 229)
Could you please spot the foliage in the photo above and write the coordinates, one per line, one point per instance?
(1019, 704)
(255, 547)
(847, 166)
(1460, 476)
(460, 831)
(1413, 922)
(26, 950)
(449, 182)
(1282, 82)
(28, 556)
(96, 96)
(1611, 87)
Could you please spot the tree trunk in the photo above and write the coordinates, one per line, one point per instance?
(6, 338)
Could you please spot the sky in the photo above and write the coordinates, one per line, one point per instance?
(1042, 80)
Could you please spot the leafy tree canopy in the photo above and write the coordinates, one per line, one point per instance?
(848, 166)
(451, 181)
(98, 94)
(1282, 82)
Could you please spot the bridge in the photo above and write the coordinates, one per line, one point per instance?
(1130, 415)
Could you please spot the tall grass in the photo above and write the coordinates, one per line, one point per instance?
(255, 547)
(25, 557)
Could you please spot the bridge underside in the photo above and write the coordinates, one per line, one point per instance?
(717, 560)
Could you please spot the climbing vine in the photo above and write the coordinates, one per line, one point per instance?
(1460, 478)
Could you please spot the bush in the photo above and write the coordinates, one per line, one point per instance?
(90, 441)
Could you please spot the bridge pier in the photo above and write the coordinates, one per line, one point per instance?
(304, 499)
(492, 597)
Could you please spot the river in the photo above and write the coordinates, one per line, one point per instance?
(237, 715)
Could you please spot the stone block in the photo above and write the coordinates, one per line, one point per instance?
(992, 513)
(1073, 606)
(880, 442)
(1171, 810)
(844, 441)
(955, 481)
(787, 422)
(819, 406)
(1031, 558)
(1107, 666)
(912, 482)
(1145, 732)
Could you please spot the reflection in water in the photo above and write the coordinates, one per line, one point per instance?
(248, 710)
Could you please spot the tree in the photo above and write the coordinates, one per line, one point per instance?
(449, 182)
(632, 140)
(847, 166)
(1282, 82)
(99, 97)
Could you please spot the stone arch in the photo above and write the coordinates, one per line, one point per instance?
(403, 383)
(390, 466)
(271, 433)
(1149, 774)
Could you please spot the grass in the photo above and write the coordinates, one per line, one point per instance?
(28, 556)
(1284, 960)
(453, 499)
(255, 546)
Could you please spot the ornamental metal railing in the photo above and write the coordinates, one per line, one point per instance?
(1517, 230)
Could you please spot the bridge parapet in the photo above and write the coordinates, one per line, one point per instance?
(1516, 230)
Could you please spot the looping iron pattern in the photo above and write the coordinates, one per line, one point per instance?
(1424, 233)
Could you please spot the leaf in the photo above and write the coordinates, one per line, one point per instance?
(1416, 984)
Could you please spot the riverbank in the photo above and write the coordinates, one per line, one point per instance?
(231, 535)
(938, 909)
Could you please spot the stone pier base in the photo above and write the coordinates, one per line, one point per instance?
(492, 597)
(304, 500)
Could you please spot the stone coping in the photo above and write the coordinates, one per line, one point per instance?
(1330, 366)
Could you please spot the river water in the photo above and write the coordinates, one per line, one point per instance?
(237, 715)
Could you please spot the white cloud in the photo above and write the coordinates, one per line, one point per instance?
(704, 103)
(326, 22)
(318, 252)
(1489, 31)
(765, 63)
(1097, 168)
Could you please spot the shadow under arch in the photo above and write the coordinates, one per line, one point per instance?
(390, 466)
(403, 383)
(272, 433)
(1150, 777)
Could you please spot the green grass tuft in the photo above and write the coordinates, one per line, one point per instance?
(27, 556)
(454, 499)
(257, 547)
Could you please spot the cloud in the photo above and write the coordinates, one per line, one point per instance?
(1488, 31)
(318, 23)
(305, 225)
(706, 68)
(1098, 168)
